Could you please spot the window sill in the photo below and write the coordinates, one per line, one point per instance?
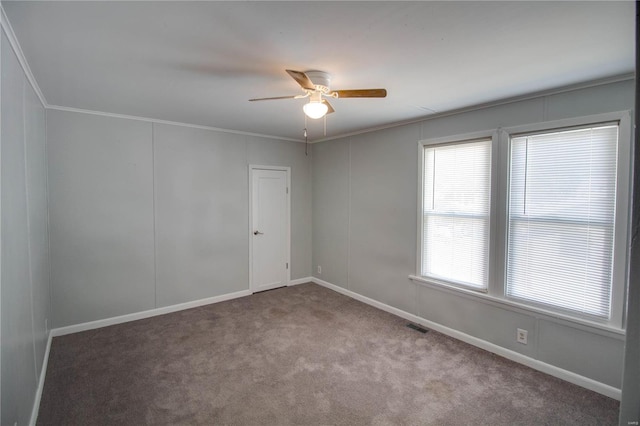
(568, 320)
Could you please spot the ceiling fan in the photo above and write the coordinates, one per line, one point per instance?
(315, 85)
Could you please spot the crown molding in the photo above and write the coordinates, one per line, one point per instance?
(499, 102)
(15, 45)
(8, 30)
(168, 122)
(17, 49)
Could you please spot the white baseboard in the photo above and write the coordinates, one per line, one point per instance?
(76, 328)
(498, 350)
(300, 281)
(43, 373)
(61, 331)
(552, 370)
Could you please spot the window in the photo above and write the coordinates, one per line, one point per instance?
(535, 216)
(561, 218)
(456, 200)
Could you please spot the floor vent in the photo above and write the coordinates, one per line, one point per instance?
(417, 328)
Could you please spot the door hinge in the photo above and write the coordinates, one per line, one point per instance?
(287, 265)
(287, 189)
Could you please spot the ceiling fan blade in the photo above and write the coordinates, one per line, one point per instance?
(302, 79)
(274, 98)
(360, 93)
(330, 110)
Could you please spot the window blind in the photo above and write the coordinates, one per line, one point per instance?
(561, 218)
(456, 204)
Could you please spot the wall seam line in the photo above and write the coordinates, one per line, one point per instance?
(349, 219)
(26, 204)
(153, 214)
(46, 182)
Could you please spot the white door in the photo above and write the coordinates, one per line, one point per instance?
(269, 228)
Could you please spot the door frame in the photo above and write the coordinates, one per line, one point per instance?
(253, 167)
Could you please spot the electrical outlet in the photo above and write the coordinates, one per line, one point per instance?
(319, 269)
(521, 336)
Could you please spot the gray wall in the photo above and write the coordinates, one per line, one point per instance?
(24, 281)
(101, 216)
(148, 215)
(365, 230)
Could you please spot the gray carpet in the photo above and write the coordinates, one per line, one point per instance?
(301, 355)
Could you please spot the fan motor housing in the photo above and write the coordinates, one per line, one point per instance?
(320, 79)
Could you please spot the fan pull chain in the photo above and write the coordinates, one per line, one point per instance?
(306, 140)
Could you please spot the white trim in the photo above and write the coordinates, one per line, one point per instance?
(552, 370)
(623, 191)
(564, 319)
(4, 21)
(127, 318)
(298, 281)
(535, 95)
(498, 222)
(15, 45)
(482, 135)
(286, 169)
(624, 197)
(168, 122)
(539, 94)
(564, 123)
(498, 350)
(43, 373)
(460, 139)
(76, 328)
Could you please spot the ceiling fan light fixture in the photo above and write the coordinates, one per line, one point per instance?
(315, 110)
(315, 85)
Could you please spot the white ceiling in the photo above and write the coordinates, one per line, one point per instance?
(200, 62)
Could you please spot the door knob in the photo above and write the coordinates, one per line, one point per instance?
(257, 233)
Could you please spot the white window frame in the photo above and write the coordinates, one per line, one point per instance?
(498, 222)
(458, 139)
